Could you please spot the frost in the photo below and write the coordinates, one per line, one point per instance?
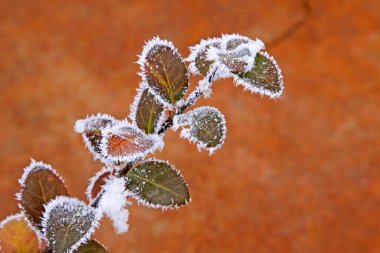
(17, 217)
(237, 54)
(197, 58)
(124, 142)
(205, 126)
(68, 223)
(32, 167)
(265, 78)
(163, 69)
(113, 203)
(94, 181)
(37, 178)
(90, 128)
(14, 230)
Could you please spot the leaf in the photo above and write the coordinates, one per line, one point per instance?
(232, 41)
(17, 237)
(96, 182)
(91, 130)
(68, 223)
(91, 247)
(164, 70)
(265, 77)
(199, 64)
(125, 142)
(157, 184)
(39, 184)
(148, 112)
(206, 127)
(238, 60)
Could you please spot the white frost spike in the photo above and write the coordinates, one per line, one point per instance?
(113, 203)
(21, 216)
(247, 86)
(149, 46)
(243, 53)
(191, 125)
(125, 143)
(34, 166)
(17, 217)
(196, 50)
(93, 180)
(93, 123)
(69, 214)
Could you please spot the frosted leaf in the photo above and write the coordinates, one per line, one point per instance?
(125, 142)
(16, 236)
(96, 182)
(68, 223)
(164, 70)
(40, 183)
(147, 112)
(204, 126)
(237, 54)
(199, 64)
(91, 247)
(265, 77)
(91, 128)
(113, 203)
(157, 184)
(232, 41)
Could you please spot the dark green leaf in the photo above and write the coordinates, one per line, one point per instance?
(207, 127)
(166, 73)
(157, 184)
(91, 247)
(148, 112)
(39, 184)
(265, 77)
(68, 223)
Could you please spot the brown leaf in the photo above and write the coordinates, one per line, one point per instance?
(165, 72)
(39, 185)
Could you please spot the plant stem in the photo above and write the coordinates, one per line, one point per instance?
(203, 86)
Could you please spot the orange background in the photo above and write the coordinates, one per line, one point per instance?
(299, 174)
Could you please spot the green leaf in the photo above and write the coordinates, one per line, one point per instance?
(68, 223)
(39, 184)
(165, 71)
(207, 127)
(265, 77)
(157, 184)
(148, 112)
(17, 237)
(91, 247)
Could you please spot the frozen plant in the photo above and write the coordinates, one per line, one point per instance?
(52, 221)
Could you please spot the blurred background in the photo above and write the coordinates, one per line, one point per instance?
(296, 174)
